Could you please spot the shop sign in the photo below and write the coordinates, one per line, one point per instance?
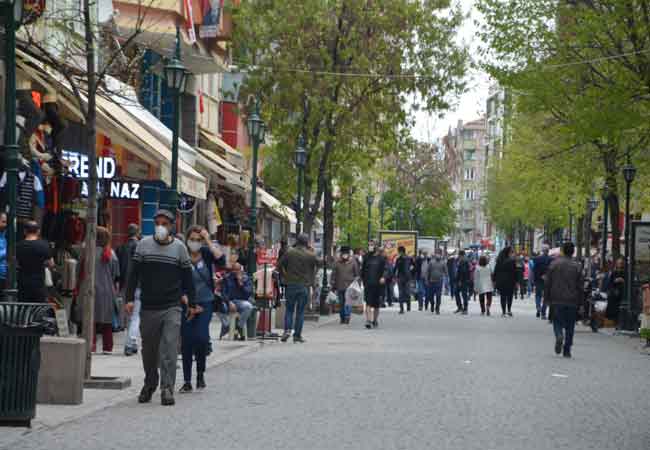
(106, 170)
(186, 203)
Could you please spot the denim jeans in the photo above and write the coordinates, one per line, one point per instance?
(435, 290)
(564, 323)
(346, 310)
(244, 309)
(404, 295)
(539, 292)
(462, 290)
(297, 298)
(422, 293)
(195, 336)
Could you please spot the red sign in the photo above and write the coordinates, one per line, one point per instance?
(32, 10)
(266, 256)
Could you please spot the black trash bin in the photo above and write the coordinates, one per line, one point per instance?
(21, 328)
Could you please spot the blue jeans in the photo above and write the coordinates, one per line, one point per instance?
(422, 293)
(435, 291)
(346, 310)
(297, 298)
(244, 309)
(539, 292)
(195, 336)
(564, 323)
(462, 290)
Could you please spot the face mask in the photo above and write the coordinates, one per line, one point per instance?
(194, 246)
(345, 257)
(162, 233)
(371, 249)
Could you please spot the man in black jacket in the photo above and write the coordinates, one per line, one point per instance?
(403, 273)
(125, 255)
(372, 274)
(462, 281)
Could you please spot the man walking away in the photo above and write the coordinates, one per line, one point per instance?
(436, 273)
(162, 268)
(463, 283)
(420, 260)
(564, 291)
(403, 267)
(540, 266)
(451, 271)
(32, 256)
(125, 255)
(298, 267)
(344, 273)
(372, 274)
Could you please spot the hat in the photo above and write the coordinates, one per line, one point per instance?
(166, 214)
(345, 249)
(132, 230)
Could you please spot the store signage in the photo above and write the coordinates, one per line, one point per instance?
(106, 170)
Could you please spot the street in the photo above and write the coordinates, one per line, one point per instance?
(419, 381)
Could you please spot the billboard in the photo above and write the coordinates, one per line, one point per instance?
(392, 240)
(641, 251)
(428, 244)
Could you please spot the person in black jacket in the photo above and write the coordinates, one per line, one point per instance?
(372, 275)
(505, 276)
(403, 273)
(463, 282)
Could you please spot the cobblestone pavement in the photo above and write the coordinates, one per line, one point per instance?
(417, 382)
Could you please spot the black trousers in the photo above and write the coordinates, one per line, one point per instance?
(404, 295)
(506, 300)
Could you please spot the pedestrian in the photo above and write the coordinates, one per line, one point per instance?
(403, 275)
(388, 282)
(564, 291)
(436, 273)
(238, 291)
(423, 283)
(472, 270)
(505, 279)
(483, 285)
(519, 276)
(3, 253)
(107, 275)
(417, 276)
(33, 255)
(297, 266)
(540, 266)
(463, 284)
(125, 255)
(451, 271)
(614, 285)
(163, 270)
(205, 257)
(372, 275)
(344, 273)
(528, 271)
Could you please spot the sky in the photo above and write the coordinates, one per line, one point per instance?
(471, 105)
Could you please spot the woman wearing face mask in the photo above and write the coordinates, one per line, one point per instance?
(195, 330)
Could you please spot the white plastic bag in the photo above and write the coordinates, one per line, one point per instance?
(395, 291)
(332, 298)
(354, 294)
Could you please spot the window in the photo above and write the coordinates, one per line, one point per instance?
(469, 155)
(468, 134)
(469, 174)
(470, 194)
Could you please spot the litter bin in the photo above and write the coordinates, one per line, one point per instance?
(21, 328)
(251, 324)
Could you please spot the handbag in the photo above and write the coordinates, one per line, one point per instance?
(217, 300)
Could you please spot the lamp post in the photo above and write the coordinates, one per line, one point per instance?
(370, 199)
(570, 225)
(175, 74)
(256, 133)
(603, 255)
(629, 172)
(301, 162)
(350, 193)
(13, 14)
(592, 205)
(382, 208)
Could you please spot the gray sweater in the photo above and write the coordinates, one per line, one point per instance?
(436, 271)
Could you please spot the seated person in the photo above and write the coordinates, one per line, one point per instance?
(237, 290)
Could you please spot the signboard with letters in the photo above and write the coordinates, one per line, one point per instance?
(640, 251)
(392, 240)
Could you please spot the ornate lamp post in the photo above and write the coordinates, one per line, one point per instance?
(256, 133)
(603, 256)
(301, 161)
(370, 199)
(629, 172)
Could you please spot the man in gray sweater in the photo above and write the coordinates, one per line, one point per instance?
(436, 273)
(564, 291)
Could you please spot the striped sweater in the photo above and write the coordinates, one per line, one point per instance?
(164, 273)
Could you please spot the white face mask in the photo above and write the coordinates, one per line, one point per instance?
(194, 246)
(161, 233)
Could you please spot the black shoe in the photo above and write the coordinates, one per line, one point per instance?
(437, 312)
(543, 316)
(186, 389)
(401, 311)
(145, 394)
(458, 311)
(420, 308)
(209, 349)
(130, 351)
(167, 397)
(342, 320)
(465, 312)
(285, 336)
(567, 353)
(200, 381)
(509, 314)
(558, 345)
(375, 324)
(538, 315)
(298, 339)
(482, 313)
(488, 312)
(368, 324)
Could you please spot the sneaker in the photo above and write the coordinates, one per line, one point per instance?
(543, 316)
(558, 345)
(130, 351)
(482, 313)
(504, 315)
(509, 314)
(458, 311)
(285, 336)
(375, 324)
(538, 314)
(368, 324)
(567, 353)
(465, 313)
(185, 389)
(145, 394)
(167, 397)
(298, 339)
(487, 312)
(200, 381)
(401, 311)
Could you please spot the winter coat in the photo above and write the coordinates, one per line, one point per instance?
(373, 269)
(505, 275)
(564, 283)
(106, 274)
(483, 280)
(436, 272)
(344, 273)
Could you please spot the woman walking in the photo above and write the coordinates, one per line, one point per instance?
(483, 284)
(505, 277)
(195, 326)
(107, 272)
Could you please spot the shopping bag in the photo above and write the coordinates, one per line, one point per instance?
(332, 298)
(354, 294)
(395, 291)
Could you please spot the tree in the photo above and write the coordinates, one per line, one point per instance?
(585, 65)
(339, 72)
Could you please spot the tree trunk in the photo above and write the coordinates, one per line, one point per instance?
(614, 212)
(328, 216)
(91, 233)
(580, 235)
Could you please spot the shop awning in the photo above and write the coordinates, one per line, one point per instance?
(222, 169)
(277, 206)
(214, 142)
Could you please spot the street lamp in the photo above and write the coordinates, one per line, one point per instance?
(350, 194)
(592, 205)
(300, 158)
(605, 196)
(370, 199)
(176, 77)
(13, 15)
(256, 133)
(629, 172)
